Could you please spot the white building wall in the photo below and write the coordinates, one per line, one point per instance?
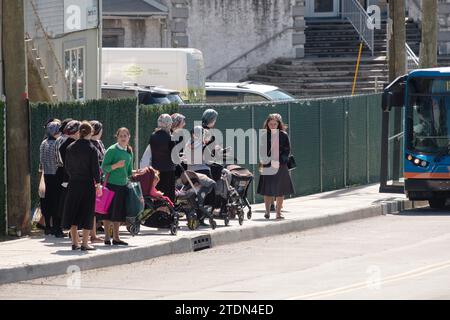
(225, 29)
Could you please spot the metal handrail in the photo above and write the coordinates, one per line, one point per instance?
(36, 60)
(52, 50)
(354, 12)
(412, 61)
(263, 43)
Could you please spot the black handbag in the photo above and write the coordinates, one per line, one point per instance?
(291, 162)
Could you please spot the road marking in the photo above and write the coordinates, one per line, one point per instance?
(361, 285)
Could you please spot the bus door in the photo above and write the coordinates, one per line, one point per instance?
(392, 137)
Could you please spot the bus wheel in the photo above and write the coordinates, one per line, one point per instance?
(437, 203)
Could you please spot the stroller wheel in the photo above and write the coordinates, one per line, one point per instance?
(135, 229)
(174, 229)
(249, 215)
(227, 221)
(213, 224)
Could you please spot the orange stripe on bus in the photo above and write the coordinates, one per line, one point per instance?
(426, 175)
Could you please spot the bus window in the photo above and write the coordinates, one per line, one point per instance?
(427, 115)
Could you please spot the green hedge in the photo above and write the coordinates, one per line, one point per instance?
(112, 113)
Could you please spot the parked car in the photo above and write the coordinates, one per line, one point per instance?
(147, 94)
(230, 92)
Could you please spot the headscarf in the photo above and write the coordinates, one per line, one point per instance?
(64, 124)
(165, 122)
(72, 127)
(177, 119)
(52, 128)
(97, 126)
(209, 116)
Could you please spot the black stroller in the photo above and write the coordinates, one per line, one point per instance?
(241, 178)
(190, 198)
(227, 201)
(158, 213)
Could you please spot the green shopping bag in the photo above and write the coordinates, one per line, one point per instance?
(134, 205)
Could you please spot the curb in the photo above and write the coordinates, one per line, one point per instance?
(190, 244)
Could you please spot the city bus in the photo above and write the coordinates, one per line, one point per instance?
(425, 96)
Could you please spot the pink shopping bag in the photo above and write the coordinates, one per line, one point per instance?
(103, 203)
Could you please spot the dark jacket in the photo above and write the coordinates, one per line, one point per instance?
(61, 172)
(82, 162)
(284, 149)
(161, 145)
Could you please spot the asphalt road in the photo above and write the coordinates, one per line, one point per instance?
(405, 256)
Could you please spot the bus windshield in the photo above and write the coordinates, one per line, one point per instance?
(428, 115)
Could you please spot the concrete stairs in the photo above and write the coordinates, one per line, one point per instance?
(328, 68)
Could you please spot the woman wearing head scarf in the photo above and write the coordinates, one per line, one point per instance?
(96, 141)
(209, 118)
(161, 146)
(178, 124)
(47, 158)
(71, 131)
(81, 163)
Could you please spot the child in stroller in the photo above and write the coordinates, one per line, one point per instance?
(159, 210)
(190, 198)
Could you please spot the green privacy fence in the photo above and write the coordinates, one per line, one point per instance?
(336, 142)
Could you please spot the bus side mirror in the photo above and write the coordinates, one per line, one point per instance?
(394, 94)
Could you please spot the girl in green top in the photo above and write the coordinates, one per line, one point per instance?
(117, 164)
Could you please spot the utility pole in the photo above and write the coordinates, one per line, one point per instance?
(397, 67)
(17, 118)
(428, 45)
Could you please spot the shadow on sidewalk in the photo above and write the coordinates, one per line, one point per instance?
(425, 212)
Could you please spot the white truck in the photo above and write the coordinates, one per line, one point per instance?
(179, 69)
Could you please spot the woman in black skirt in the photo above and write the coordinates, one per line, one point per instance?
(117, 165)
(275, 180)
(84, 183)
(96, 141)
(161, 145)
(71, 133)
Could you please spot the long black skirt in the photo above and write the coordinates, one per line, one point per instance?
(117, 211)
(277, 185)
(79, 205)
(166, 184)
(49, 205)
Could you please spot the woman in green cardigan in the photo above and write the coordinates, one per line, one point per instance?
(117, 164)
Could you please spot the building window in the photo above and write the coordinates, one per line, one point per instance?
(113, 37)
(74, 70)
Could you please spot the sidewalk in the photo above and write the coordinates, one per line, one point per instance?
(36, 257)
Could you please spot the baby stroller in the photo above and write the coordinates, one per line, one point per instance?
(241, 178)
(227, 200)
(158, 213)
(190, 198)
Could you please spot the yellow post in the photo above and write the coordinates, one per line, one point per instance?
(357, 68)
